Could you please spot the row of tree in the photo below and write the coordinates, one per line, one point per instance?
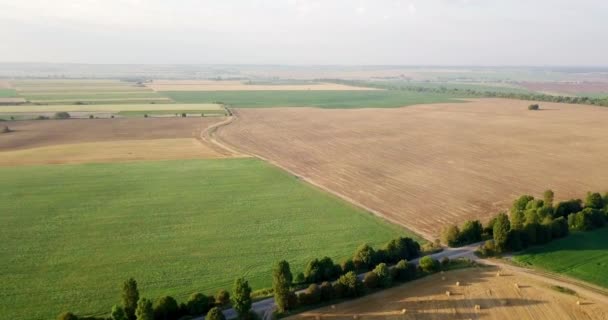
(536, 221)
(134, 307)
(480, 93)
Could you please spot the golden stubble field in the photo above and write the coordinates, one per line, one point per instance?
(107, 140)
(430, 165)
(509, 296)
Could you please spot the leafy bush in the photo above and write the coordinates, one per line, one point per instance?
(370, 280)
(384, 277)
(364, 257)
(405, 271)
(428, 264)
(533, 107)
(62, 115)
(353, 287)
(215, 314)
(327, 291)
(222, 298)
(67, 316)
(166, 308)
(198, 304)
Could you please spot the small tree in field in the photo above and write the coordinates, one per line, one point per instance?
(281, 282)
(222, 298)
(534, 107)
(130, 296)
(428, 264)
(62, 115)
(241, 297)
(502, 226)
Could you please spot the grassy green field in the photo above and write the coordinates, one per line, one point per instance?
(8, 93)
(70, 234)
(321, 99)
(582, 255)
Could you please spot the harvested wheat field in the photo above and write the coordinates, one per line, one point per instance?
(228, 85)
(111, 151)
(479, 295)
(107, 140)
(427, 165)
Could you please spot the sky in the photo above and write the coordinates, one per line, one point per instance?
(307, 32)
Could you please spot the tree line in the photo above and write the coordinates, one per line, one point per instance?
(480, 93)
(316, 271)
(531, 222)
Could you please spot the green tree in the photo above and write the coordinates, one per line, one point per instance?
(118, 313)
(518, 219)
(405, 271)
(502, 226)
(471, 232)
(520, 203)
(548, 196)
(166, 308)
(428, 264)
(144, 310)
(197, 304)
(347, 265)
(384, 277)
(327, 291)
(222, 298)
(364, 257)
(281, 283)
(67, 316)
(350, 284)
(130, 296)
(62, 115)
(450, 236)
(594, 201)
(312, 271)
(241, 297)
(215, 314)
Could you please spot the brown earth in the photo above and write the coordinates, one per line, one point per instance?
(497, 297)
(30, 134)
(427, 166)
(567, 87)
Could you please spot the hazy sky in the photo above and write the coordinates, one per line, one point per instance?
(378, 32)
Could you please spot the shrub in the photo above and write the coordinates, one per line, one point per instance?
(450, 236)
(405, 271)
(548, 196)
(166, 308)
(445, 263)
(67, 316)
(502, 226)
(91, 116)
(471, 232)
(118, 313)
(370, 280)
(241, 297)
(364, 257)
(594, 200)
(144, 310)
(197, 304)
(534, 107)
(488, 249)
(215, 314)
(428, 264)
(347, 266)
(559, 228)
(112, 116)
(353, 287)
(41, 118)
(384, 277)
(62, 115)
(183, 115)
(130, 296)
(145, 115)
(222, 298)
(314, 293)
(565, 208)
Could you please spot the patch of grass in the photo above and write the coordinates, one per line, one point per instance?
(321, 99)
(70, 234)
(582, 255)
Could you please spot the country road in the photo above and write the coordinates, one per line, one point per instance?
(266, 306)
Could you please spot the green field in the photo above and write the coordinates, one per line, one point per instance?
(70, 234)
(302, 98)
(8, 93)
(582, 255)
(480, 87)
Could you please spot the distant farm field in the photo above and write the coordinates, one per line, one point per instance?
(426, 166)
(223, 85)
(582, 255)
(70, 234)
(84, 91)
(111, 108)
(321, 99)
(497, 297)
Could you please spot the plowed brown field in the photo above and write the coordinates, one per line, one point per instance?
(497, 297)
(428, 165)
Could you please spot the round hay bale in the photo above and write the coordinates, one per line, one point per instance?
(458, 283)
(498, 274)
(578, 302)
(333, 306)
(517, 285)
(448, 293)
(443, 278)
(355, 316)
(441, 272)
(477, 307)
(403, 311)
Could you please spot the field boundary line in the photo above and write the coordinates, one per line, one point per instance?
(208, 135)
(213, 137)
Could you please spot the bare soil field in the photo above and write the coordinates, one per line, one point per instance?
(567, 87)
(429, 165)
(211, 85)
(5, 84)
(111, 151)
(510, 296)
(37, 133)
